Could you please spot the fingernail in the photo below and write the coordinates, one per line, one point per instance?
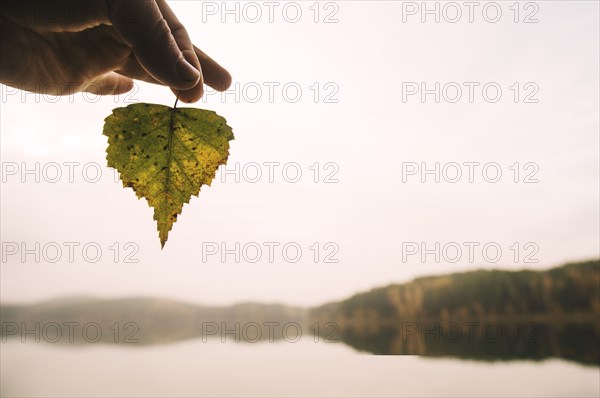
(186, 71)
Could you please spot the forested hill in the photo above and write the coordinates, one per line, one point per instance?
(568, 292)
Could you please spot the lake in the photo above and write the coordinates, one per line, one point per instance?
(212, 368)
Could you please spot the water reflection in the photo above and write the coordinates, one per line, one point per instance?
(576, 341)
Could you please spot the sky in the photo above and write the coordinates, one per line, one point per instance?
(344, 116)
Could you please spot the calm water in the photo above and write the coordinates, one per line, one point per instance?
(194, 368)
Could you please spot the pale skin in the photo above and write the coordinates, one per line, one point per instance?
(101, 46)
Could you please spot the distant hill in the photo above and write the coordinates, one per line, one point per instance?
(152, 320)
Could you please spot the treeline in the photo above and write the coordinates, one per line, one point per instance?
(569, 292)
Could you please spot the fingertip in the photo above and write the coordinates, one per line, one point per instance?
(109, 84)
(118, 85)
(220, 79)
(125, 85)
(188, 74)
(224, 82)
(192, 59)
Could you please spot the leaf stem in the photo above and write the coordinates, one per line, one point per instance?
(177, 99)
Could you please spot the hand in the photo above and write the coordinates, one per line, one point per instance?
(100, 46)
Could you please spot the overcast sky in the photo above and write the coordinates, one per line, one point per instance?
(371, 133)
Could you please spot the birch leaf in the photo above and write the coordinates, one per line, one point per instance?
(166, 154)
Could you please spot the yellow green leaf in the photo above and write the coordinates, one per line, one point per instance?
(166, 154)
